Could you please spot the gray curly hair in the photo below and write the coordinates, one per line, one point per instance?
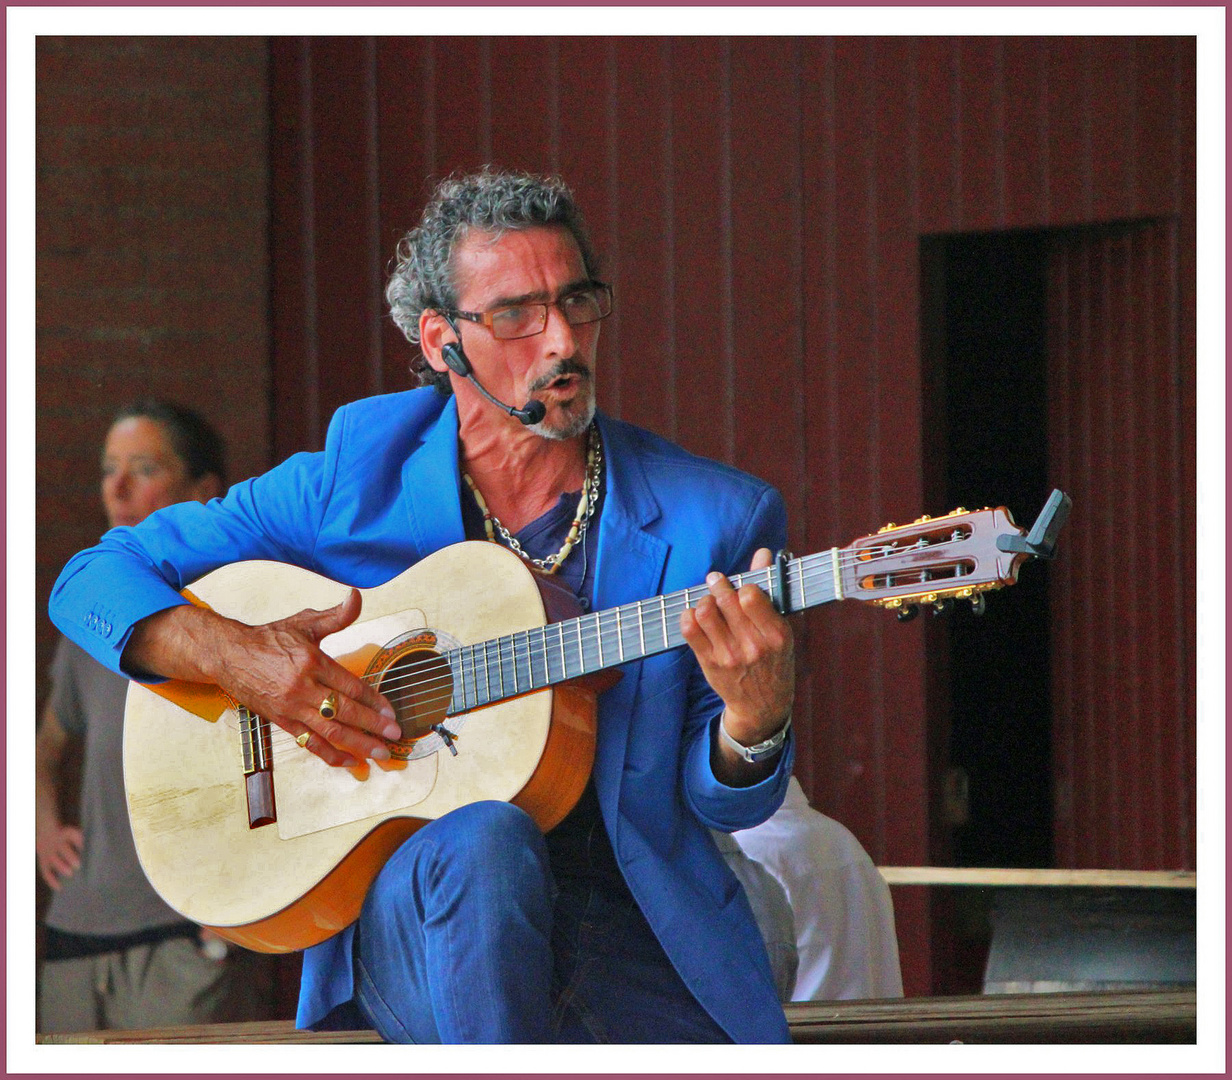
(490, 201)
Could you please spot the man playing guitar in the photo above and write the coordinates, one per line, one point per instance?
(622, 923)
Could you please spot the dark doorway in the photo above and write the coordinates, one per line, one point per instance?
(989, 346)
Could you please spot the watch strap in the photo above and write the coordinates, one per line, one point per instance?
(761, 751)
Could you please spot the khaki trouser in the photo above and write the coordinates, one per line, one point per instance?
(159, 985)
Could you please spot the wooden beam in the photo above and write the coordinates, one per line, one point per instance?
(972, 875)
(1147, 1016)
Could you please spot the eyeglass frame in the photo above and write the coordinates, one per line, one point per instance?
(484, 318)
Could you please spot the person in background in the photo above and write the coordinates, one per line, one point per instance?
(841, 906)
(116, 956)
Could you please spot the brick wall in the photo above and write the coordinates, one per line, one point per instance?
(152, 227)
(152, 236)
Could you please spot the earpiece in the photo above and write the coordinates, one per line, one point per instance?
(456, 359)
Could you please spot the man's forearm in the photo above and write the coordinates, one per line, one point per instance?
(180, 642)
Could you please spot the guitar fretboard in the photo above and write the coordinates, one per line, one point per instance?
(504, 667)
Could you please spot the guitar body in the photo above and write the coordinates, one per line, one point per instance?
(299, 879)
(494, 685)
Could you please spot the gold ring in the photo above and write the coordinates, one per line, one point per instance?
(329, 707)
(303, 738)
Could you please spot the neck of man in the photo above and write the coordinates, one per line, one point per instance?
(521, 475)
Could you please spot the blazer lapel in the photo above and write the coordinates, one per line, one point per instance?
(434, 514)
(629, 567)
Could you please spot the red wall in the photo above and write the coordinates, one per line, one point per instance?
(760, 203)
(1124, 748)
(152, 263)
(152, 225)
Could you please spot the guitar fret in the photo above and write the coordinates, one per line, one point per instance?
(583, 644)
(487, 674)
(474, 676)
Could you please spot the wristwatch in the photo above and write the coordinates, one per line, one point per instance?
(761, 751)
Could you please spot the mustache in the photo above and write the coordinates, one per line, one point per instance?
(568, 366)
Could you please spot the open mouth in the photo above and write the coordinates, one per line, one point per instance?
(567, 376)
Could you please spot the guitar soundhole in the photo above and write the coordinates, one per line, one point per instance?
(419, 685)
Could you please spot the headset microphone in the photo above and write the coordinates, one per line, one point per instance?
(455, 359)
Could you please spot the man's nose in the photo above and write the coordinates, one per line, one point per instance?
(559, 335)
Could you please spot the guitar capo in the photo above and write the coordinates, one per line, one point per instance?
(779, 595)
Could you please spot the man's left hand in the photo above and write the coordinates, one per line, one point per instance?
(746, 651)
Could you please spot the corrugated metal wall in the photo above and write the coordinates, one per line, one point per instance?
(1123, 742)
(760, 204)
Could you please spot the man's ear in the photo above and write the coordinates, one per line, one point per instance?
(434, 332)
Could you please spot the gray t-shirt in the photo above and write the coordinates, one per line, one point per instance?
(109, 895)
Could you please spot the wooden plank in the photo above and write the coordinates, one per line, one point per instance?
(1156, 1016)
(971, 875)
(1105, 1017)
(250, 1032)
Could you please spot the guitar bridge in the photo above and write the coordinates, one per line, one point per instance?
(257, 749)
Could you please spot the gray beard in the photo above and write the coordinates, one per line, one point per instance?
(572, 427)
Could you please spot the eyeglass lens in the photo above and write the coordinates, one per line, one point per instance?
(579, 308)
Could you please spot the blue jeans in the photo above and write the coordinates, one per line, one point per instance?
(465, 937)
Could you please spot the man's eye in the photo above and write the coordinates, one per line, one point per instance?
(581, 303)
(512, 316)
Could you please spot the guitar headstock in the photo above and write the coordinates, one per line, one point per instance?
(935, 560)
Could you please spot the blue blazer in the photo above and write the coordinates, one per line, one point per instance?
(383, 494)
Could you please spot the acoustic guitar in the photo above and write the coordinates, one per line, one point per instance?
(241, 830)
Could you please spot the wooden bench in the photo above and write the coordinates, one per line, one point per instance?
(1140, 1016)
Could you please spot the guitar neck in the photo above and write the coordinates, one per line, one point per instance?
(504, 667)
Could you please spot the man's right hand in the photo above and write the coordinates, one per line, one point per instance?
(277, 670)
(58, 848)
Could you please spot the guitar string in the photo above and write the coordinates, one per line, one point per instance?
(534, 648)
(531, 650)
(799, 582)
(800, 578)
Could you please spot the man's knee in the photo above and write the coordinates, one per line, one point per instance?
(493, 841)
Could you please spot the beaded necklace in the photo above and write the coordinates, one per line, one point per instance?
(581, 517)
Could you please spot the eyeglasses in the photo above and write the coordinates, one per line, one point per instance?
(586, 305)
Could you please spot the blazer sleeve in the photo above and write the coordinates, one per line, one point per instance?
(134, 572)
(716, 804)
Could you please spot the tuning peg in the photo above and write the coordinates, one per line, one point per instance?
(943, 607)
(977, 604)
(907, 612)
